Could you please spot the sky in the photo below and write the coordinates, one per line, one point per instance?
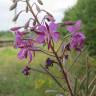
(56, 7)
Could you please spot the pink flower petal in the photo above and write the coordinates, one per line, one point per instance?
(71, 29)
(42, 28)
(40, 39)
(53, 26)
(22, 54)
(56, 36)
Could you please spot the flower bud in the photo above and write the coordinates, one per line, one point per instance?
(26, 70)
(40, 2)
(12, 7)
(38, 8)
(27, 9)
(15, 28)
(49, 63)
(16, 16)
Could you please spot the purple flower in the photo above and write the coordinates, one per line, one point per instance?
(74, 28)
(26, 70)
(27, 47)
(49, 63)
(47, 33)
(19, 38)
(77, 41)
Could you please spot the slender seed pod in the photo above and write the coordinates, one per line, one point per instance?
(16, 16)
(40, 2)
(13, 6)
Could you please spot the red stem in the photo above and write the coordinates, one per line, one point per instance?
(63, 71)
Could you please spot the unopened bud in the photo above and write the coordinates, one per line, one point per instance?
(27, 9)
(40, 2)
(16, 16)
(38, 8)
(13, 6)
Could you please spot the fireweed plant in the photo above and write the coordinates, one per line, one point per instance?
(37, 33)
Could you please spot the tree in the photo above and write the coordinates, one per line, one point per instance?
(85, 10)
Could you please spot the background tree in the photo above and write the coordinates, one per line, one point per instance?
(86, 11)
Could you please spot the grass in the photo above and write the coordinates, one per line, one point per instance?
(14, 83)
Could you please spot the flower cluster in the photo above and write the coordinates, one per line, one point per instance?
(78, 38)
(36, 33)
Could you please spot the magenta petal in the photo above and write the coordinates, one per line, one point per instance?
(74, 28)
(53, 26)
(56, 36)
(40, 39)
(40, 33)
(71, 29)
(42, 28)
(22, 54)
(77, 41)
(78, 23)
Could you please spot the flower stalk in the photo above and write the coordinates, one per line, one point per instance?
(63, 71)
(33, 35)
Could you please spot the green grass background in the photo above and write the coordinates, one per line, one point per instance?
(14, 83)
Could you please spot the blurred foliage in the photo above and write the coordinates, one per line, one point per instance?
(6, 35)
(14, 83)
(85, 10)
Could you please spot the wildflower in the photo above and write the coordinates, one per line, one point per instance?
(27, 47)
(26, 70)
(77, 41)
(78, 38)
(74, 28)
(47, 33)
(49, 63)
(19, 37)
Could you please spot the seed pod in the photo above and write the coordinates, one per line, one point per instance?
(27, 9)
(27, 24)
(12, 7)
(40, 2)
(16, 17)
(38, 8)
(13, 1)
(34, 23)
(49, 18)
(15, 28)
